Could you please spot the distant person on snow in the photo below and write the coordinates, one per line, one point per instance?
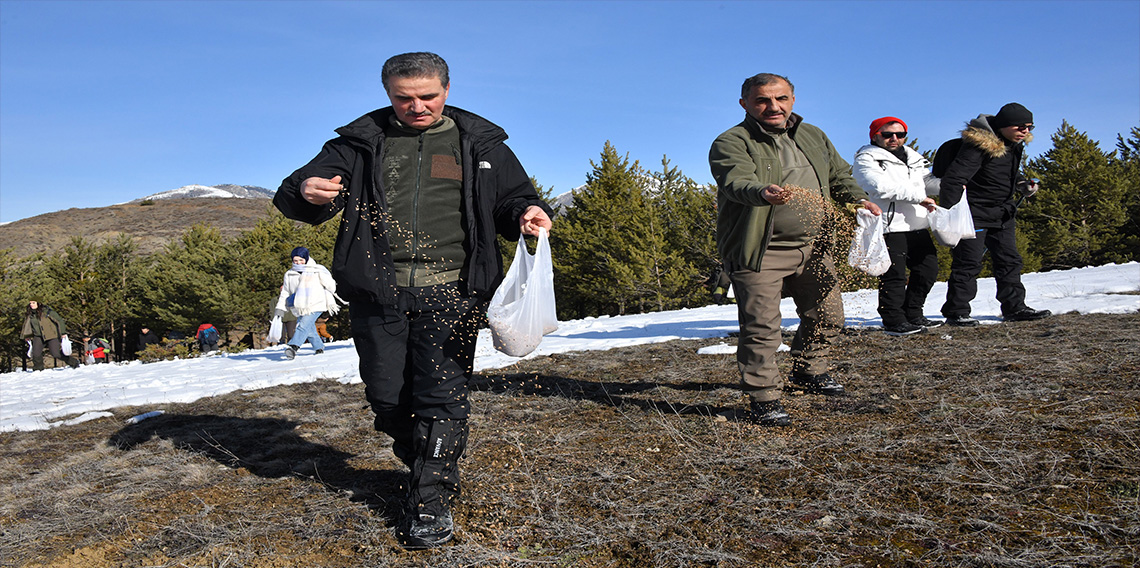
(96, 350)
(307, 291)
(988, 168)
(424, 189)
(898, 180)
(45, 328)
(146, 337)
(207, 337)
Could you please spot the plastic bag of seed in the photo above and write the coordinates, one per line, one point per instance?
(522, 309)
(868, 249)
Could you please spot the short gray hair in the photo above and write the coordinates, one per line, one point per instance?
(417, 64)
(761, 79)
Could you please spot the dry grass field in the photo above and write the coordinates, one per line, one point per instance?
(1012, 445)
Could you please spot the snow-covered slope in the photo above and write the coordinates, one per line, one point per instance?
(224, 190)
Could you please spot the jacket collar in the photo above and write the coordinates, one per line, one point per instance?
(979, 132)
(370, 127)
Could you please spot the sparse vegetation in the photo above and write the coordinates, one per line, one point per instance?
(1006, 445)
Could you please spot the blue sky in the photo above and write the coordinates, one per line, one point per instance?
(104, 102)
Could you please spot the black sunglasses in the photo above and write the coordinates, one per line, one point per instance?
(1028, 127)
(888, 135)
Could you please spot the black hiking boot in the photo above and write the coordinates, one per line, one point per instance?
(421, 530)
(925, 322)
(769, 413)
(961, 321)
(819, 384)
(904, 328)
(1027, 314)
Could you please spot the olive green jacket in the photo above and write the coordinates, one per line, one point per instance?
(49, 326)
(745, 160)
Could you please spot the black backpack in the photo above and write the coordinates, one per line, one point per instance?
(945, 156)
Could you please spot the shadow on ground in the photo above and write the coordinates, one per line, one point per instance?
(270, 448)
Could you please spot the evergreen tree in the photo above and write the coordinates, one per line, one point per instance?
(1128, 163)
(17, 285)
(605, 245)
(1078, 217)
(687, 213)
(75, 274)
(186, 284)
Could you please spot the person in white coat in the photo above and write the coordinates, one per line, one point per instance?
(307, 291)
(898, 180)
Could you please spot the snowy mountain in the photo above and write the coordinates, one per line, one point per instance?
(225, 190)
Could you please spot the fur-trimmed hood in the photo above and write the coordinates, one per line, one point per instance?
(979, 133)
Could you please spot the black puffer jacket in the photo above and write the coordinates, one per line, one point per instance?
(496, 191)
(990, 168)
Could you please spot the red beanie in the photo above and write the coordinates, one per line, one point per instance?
(879, 123)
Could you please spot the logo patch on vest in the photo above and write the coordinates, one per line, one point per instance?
(444, 167)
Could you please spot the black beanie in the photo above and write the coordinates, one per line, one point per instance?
(301, 252)
(1012, 114)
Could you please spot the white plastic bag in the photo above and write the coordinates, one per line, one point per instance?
(275, 330)
(65, 346)
(868, 249)
(953, 224)
(522, 309)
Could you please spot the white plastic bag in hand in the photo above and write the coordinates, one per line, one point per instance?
(522, 309)
(275, 329)
(868, 249)
(953, 224)
(65, 346)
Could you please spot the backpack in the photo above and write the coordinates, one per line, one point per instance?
(945, 155)
(210, 335)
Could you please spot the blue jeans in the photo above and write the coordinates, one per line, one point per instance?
(307, 329)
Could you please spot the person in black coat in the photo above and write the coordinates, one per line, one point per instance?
(423, 190)
(146, 337)
(988, 168)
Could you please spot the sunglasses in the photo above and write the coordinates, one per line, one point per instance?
(1028, 127)
(889, 135)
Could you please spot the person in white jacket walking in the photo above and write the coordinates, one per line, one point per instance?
(307, 291)
(899, 181)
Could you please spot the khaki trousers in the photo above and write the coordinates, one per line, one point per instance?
(809, 278)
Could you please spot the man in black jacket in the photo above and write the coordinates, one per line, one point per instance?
(423, 189)
(988, 166)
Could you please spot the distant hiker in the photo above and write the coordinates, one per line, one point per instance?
(772, 242)
(899, 181)
(208, 337)
(96, 350)
(988, 166)
(423, 189)
(146, 337)
(307, 291)
(45, 328)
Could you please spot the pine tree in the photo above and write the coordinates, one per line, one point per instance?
(1128, 162)
(605, 246)
(186, 284)
(687, 213)
(1078, 216)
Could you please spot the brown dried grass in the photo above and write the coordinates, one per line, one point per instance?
(1006, 445)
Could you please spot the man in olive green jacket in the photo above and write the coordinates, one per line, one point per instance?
(776, 177)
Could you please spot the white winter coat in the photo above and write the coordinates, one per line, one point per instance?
(892, 184)
(309, 291)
